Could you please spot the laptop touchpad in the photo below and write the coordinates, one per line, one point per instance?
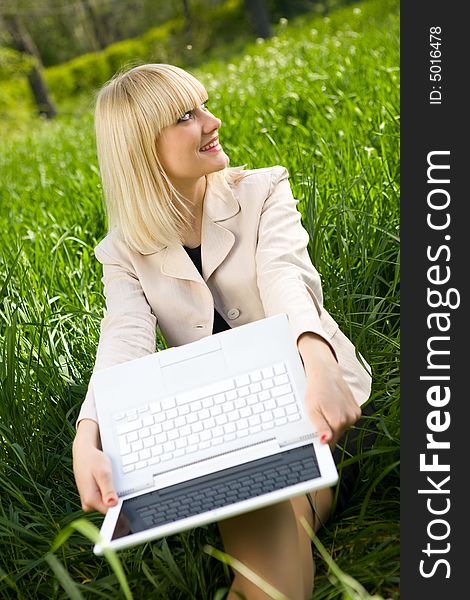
(191, 369)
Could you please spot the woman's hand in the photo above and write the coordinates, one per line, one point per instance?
(92, 469)
(329, 401)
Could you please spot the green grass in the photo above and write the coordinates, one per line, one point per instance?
(321, 98)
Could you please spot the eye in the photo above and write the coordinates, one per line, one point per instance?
(188, 114)
(185, 117)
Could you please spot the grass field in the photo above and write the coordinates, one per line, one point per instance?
(322, 99)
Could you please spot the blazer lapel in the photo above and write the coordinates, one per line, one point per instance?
(220, 204)
(176, 263)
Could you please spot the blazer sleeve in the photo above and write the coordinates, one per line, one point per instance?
(128, 330)
(287, 280)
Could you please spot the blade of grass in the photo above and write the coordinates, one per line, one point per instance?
(267, 588)
(353, 589)
(63, 576)
(91, 532)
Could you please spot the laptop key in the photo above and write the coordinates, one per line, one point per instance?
(129, 426)
(130, 459)
(209, 390)
(279, 368)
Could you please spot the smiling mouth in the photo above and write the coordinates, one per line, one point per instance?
(212, 145)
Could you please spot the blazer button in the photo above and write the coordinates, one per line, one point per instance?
(233, 313)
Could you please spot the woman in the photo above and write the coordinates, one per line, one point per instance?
(197, 247)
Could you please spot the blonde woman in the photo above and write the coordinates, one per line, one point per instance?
(196, 247)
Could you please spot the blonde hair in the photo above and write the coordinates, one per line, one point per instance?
(131, 110)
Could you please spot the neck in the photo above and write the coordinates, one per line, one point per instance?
(193, 193)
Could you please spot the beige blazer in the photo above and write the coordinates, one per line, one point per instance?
(254, 264)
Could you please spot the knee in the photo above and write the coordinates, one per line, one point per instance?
(260, 523)
(322, 501)
(242, 588)
(266, 541)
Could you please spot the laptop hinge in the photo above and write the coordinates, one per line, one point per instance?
(133, 490)
(309, 437)
(216, 462)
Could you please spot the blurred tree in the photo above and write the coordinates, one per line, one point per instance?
(259, 17)
(22, 42)
(291, 8)
(187, 21)
(99, 20)
(64, 29)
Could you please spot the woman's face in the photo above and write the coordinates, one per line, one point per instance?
(190, 148)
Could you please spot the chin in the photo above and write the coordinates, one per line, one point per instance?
(223, 163)
(226, 160)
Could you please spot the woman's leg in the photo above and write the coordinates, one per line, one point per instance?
(272, 542)
(322, 501)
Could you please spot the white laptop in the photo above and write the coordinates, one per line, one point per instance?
(205, 431)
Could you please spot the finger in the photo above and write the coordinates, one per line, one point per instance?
(342, 423)
(338, 427)
(104, 481)
(92, 500)
(321, 425)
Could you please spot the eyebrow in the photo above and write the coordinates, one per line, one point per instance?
(189, 110)
(193, 108)
(203, 102)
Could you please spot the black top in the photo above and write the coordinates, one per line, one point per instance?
(195, 255)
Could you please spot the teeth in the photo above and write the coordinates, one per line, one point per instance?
(211, 145)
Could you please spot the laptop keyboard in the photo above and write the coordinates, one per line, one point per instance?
(206, 417)
(222, 488)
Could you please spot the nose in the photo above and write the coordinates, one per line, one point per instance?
(211, 122)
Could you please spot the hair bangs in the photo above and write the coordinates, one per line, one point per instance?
(164, 92)
(181, 94)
